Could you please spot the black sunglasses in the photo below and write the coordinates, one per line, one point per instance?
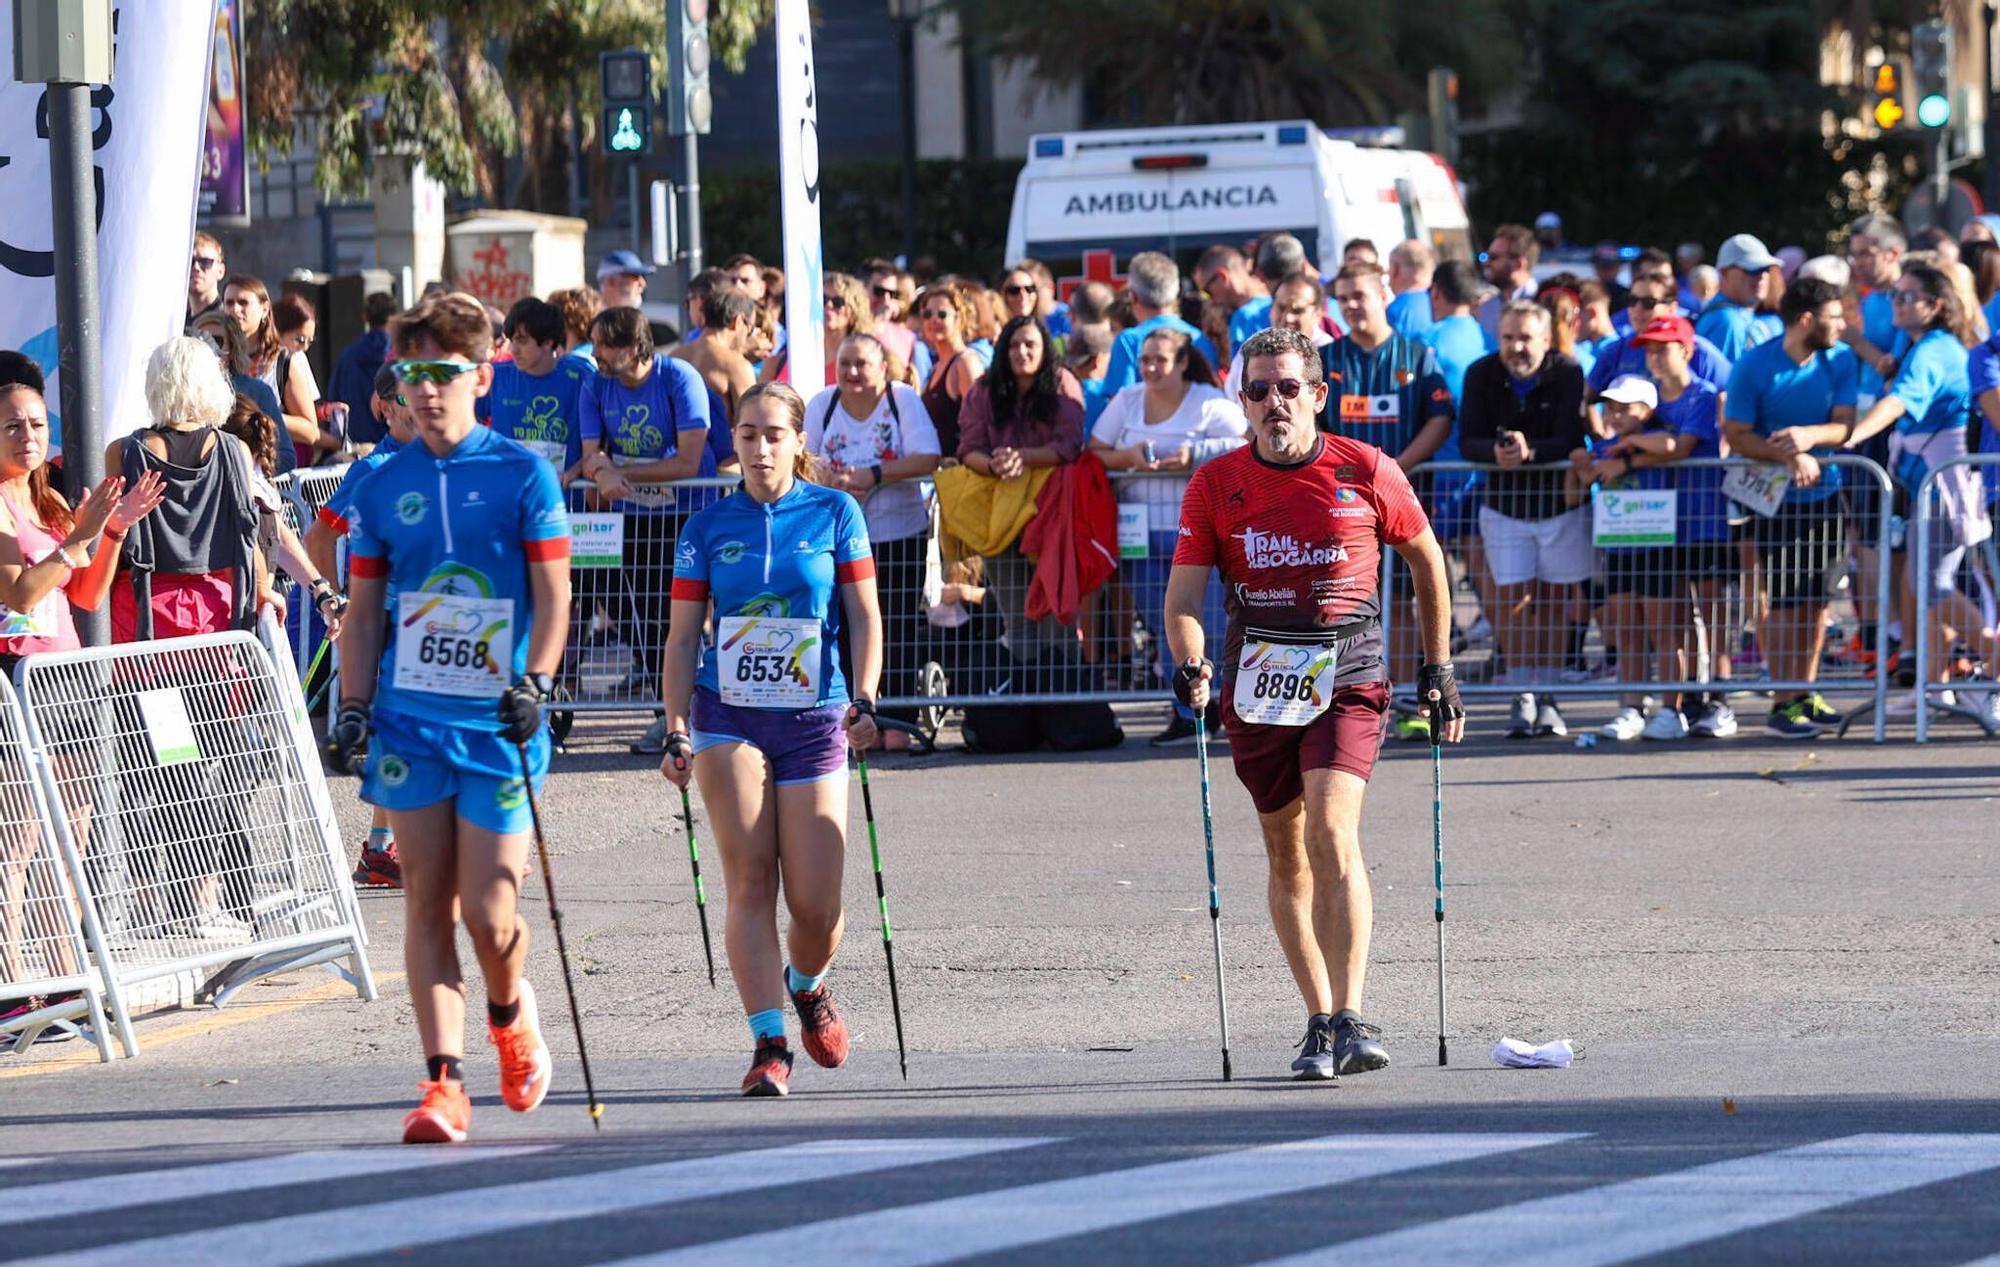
(836, 302)
(886, 292)
(1017, 289)
(1257, 389)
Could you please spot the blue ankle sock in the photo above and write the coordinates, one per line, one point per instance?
(798, 984)
(769, 1023)
(380, 838)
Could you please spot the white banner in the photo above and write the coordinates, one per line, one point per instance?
(798, 174)
(149, 127)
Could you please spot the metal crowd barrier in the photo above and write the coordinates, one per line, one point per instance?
(51, 946)
(1952, 514)
(1701, 571)
(185, 793)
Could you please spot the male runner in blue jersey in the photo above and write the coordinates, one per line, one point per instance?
(468, 530)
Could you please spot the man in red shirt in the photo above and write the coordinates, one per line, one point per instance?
(1296, 522)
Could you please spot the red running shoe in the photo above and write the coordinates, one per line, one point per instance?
(821, 1030)
(379, 869)
(443, 1117)
(770, 1069)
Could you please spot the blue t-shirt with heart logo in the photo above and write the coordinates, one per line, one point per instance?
(650, 423)
(538, 411)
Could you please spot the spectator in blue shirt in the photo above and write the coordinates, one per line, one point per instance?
(1086, 354)
(533, 400)
(1411, 266)
(1155, 282)
(1279, 255)
(354, 371)
(1224, 276)
(1875, 247)
(1653, 298)
(1731, 322)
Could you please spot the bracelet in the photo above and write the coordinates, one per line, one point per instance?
(876, 472)
(62, 552)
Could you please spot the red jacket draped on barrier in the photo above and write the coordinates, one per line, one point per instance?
(1073, 539)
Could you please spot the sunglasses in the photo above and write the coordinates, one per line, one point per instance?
(205, 262)
(939, 314)
(885, 292)
(1901, 297)
(836, 302)
(1018, 289)
(1258, 390)
(1638, 302)
(436, 373)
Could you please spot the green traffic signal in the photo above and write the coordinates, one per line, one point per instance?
(626, 138)
(1934, 111)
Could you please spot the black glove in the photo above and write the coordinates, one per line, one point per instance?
(331, 602)
(349, 734)
(1437, 694)
(521, 707)
(680, 748)
(1186, 676)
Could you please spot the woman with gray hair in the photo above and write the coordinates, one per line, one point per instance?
(191, 566)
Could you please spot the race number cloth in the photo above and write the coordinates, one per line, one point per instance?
(1284, 679)
(782, 561)
(1300, 547)
(1759, 486)
(768, 662)
(452, 538)
(455, 646)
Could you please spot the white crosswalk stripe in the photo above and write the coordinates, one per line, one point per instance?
(449, 1216)
(1659, 1213)
(958, 1227)
(183, 1183)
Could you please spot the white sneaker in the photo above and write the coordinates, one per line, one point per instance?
(1628, 724)
(1987, 705)
(1521, 722)
(1904, 706)
(1549, 720)
(1667, 723)
(1718, 721)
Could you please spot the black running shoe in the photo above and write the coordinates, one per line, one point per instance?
(1315, 1059)
(1356, 1045)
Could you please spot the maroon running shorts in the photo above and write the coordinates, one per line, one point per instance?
(1271, 761)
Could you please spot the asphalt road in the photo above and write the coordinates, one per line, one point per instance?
(1779, 962)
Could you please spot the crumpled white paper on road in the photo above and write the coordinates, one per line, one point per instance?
(1512, 1053)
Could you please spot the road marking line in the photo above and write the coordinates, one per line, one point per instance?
(63, 1199)
(205, 1021)
(387, 1226)
(1662, 1213)
(1009, 1218)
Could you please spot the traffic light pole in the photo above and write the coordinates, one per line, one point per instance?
(1992, 124)
(691, 186)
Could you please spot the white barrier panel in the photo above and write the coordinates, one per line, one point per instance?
(211, 844)
(43, 932)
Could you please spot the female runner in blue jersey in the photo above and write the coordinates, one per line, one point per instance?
(763, 717)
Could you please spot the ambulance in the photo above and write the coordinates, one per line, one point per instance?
(1086, 202)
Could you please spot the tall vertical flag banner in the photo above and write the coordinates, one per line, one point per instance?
(798, 174)
(225, 169)
(148, 138)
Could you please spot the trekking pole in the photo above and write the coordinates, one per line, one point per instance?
(700, 895)
(312, 667)
(562, 947)
(1214, 899)
(1437, 855)
(882, 904)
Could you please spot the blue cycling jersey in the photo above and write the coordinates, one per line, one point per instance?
(452, 537)
(784, 560)
(538, 410)
(333, 513)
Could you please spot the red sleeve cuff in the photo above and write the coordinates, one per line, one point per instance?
(689, 590)
(862, 569)
(547, 550)
(364, 566)
(332, 520)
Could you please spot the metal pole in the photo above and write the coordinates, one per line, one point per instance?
(1941, 158)
(691, 190)
(74, 197)
(632, 203)
(906, 51)
(578, 164)
(1992, 124)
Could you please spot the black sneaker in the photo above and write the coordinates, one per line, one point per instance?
(1178, 734)
(1356, 1045)
(1315, 1060)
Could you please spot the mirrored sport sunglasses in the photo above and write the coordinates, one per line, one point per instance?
(1257, 389)
(437, 373)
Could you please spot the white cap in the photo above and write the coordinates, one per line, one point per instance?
(1747, 252)
(1633, 389)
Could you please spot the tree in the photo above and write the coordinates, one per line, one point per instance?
(1219, 61)
(460, 83)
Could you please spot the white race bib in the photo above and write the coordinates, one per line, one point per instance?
(768, 662)
(450, 645)
(1284, 683)
(554, 452)
(1760, 486)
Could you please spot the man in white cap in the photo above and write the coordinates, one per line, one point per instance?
(1731, 322)
(1549, 231)
(622, 279)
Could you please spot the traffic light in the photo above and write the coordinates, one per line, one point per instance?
(1930, 72)
(689, 107)
(625, 86)
(1885, 99)
(1441, 89)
